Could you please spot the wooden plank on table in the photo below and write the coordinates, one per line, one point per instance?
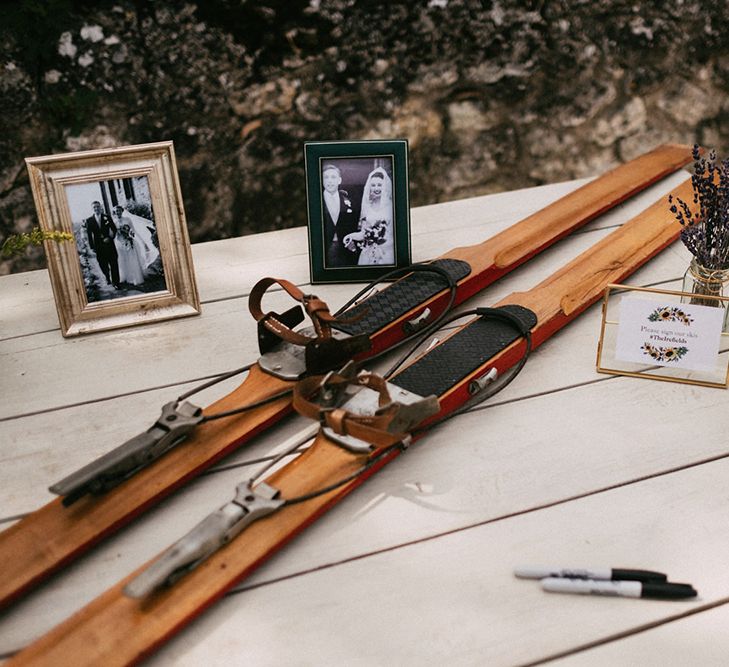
(698, 639)
(26, 304)
(454, 599)
(596, 197)
(225, 266)
(47, 372)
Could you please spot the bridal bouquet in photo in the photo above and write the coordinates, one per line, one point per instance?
(375, 233)
(127, 235)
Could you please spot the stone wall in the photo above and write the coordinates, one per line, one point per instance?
(491, 95)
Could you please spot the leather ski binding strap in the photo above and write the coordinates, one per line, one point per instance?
(316, 309)
(324, 350)
(383, 423)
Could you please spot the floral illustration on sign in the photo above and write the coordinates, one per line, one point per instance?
(670, 314)
(672, 353)
(663, 353)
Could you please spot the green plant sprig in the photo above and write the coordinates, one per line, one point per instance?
(17, 243)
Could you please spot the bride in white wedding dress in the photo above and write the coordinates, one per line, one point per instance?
(375, 237)
(134, 246)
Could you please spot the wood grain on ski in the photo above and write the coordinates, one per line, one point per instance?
(115, 629)
(54, 535)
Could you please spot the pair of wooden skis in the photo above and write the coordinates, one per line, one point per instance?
(294, 495)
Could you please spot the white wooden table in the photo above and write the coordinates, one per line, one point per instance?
(565, 467)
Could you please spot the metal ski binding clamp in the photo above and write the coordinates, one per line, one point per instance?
(212, 533)
(324, 354)
(174, 425)
(333, 395)
(291, 362)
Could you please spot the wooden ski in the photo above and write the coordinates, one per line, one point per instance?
(117, 629)
(54, 535)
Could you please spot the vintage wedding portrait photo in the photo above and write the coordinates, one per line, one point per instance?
(128, 260)
(358, 228)
(116, 237)
(357, 213)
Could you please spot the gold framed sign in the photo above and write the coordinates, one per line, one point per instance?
(664, 335)
(130, 261)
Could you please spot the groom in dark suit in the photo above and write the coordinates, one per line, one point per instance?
(101, 231)
(340, 218)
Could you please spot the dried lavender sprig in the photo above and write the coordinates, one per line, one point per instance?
(706, 227)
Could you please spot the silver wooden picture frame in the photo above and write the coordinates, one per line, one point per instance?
(129, 261)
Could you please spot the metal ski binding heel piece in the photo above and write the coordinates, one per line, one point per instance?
(289, 354)
(216, 530)
(173, 426)
(363, 395)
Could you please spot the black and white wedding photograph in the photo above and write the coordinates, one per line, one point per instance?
(357, 211)
(116, 238)
(123, 253)
(357, 196)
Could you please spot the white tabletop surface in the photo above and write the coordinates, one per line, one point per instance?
(565, 467)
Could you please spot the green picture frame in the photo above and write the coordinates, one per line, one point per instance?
(365, 185)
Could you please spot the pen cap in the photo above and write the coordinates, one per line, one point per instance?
(668, 591)
(622, 574)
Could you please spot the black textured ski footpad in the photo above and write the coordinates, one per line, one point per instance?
(400, 297)
(448, 363)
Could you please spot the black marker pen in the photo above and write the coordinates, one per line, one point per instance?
(662, 590)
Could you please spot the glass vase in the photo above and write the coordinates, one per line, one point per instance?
(701, 283)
